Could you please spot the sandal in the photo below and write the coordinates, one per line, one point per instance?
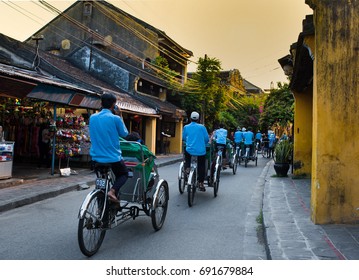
(112, 196)
(201, 188)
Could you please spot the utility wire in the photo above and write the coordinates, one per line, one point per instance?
(18, 8)
(115, 46)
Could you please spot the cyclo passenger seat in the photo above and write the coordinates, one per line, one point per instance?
(220, 148)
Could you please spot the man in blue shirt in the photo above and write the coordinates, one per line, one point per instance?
(284, 137)
(258, 139)
(195, 136)
(238, 138)
(272, 142)
(220, 136)
(248, 139)
(106, 128)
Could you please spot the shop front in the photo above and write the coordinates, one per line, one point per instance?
(26, 121)
(32, 103)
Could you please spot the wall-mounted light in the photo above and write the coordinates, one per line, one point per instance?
(288, 70)
(286, 63)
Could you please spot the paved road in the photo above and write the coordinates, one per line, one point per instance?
(214, 228)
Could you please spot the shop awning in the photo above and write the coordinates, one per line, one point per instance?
(14, 88)
(65, 96)
(20, 83)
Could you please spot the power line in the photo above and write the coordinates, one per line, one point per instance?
(17, 8)
(115, 46)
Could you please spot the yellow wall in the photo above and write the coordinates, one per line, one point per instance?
(335, 165)
(150, 140)
(303, 125)
(302, 164)
(176, 142)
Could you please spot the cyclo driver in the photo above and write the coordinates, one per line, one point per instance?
(195, 136)
(106, 128)
(248, 140)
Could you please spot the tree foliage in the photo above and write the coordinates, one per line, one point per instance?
(248, 114)
(278, 108)
(209, 97)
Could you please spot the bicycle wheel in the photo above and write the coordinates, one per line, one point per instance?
(158, 214)
(191, 189)
(181, 181)
(91, 233)
(235, 164)
(216, 183)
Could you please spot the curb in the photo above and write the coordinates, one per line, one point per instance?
(173, 161)
(32, 198)
(49, 193)
(254, 225)
(263, 180)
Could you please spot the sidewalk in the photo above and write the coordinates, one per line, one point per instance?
(30, 184)
(289, 232)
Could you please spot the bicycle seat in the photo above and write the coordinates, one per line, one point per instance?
(102, 167)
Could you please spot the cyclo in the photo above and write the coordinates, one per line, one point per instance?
(247, 155)
(143, 191)
(231, 158)
(189, 180)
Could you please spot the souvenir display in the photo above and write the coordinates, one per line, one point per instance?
(22, 122)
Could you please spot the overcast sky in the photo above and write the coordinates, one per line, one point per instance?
(248, 35)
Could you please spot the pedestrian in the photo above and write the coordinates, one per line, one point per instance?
(284, 136)
(196, 138)
(105, 129)
(272, 142)
(44, 143)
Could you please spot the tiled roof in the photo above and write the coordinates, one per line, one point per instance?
(162, 107)
(251, 87)
(59, 70)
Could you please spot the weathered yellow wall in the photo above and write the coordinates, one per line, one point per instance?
(303, 113)
(176, 142)
(303, 126)
(150, 140)
(335, 165)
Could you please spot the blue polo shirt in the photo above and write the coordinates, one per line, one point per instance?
(248, 138)
(220, 135)
(259, 136)
(238, 136)
(196, 137)
(271, 140)
(105, 131)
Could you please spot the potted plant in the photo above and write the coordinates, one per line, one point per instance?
(282, 157)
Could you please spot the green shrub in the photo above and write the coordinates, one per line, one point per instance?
(283, 152)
